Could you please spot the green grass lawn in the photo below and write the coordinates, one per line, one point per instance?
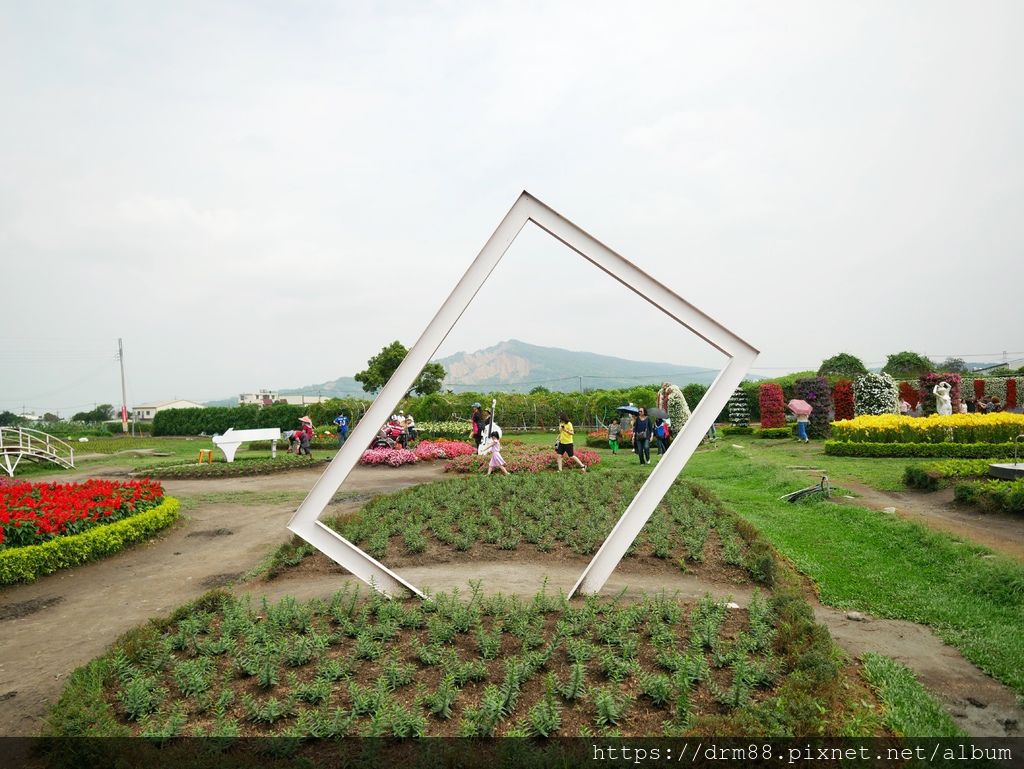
(862, 559)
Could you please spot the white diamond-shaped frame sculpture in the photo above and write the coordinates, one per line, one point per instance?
(527, 208)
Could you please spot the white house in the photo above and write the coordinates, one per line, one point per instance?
(259, 398)
(268, 397)
(147, 411)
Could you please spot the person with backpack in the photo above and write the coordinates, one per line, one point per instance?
(661, 434)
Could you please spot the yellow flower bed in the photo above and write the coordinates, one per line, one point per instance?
(956, 428)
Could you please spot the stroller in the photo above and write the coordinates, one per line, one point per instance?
(391, 435)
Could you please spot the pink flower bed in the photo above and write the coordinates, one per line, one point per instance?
(425, 450)
(443, 449)
(521, 458)
(392, 457)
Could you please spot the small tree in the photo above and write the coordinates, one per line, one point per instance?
(693, 392)
(953, 365)
(10, 419)
(907, 365)
(383, 365)
(101, 413)
(842, 365)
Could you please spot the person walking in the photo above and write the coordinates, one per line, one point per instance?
(342, 422)
(410, 427)
(494, 448)
(642, 432)
(613, 436)
(802, 421)
(565, 442)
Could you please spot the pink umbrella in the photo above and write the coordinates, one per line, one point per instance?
(799, 407)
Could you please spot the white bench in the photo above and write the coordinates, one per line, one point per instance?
(232, 439)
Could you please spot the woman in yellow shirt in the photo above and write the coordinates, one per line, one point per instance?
(565, 438)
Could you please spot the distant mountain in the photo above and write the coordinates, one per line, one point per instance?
(514, 366)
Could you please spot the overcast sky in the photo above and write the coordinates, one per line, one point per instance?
(263, 194)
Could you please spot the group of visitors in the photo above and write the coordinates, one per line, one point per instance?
(990, 404)
(645, 432)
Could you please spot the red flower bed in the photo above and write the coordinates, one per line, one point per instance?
(32, 513)
(773, 407)
(842, 399)
(522, 458)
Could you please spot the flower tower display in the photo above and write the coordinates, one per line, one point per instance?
(875, 394)
(773, 407)
(672, 400)
(842, 399)
(928, 382)
(816, 391)
(739, 409)
(910, 394)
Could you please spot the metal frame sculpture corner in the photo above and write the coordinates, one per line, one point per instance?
(306, 524)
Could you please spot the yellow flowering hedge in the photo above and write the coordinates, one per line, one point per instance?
(956, 428)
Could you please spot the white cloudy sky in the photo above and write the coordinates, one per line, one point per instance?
(264, 194)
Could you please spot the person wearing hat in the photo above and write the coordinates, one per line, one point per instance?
(305, 436)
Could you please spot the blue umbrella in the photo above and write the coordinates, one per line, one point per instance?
(629, 409)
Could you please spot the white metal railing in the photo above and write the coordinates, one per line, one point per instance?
(19, 442)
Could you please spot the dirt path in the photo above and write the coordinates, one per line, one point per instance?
(221, 540)
(937, 510)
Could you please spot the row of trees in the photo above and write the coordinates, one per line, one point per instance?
(906, 365)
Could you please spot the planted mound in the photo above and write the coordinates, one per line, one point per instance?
(486, 666)
(567, 515)
(521, 458)
(931, 476)
(242, 466)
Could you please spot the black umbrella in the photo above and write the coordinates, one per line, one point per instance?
(629, 409)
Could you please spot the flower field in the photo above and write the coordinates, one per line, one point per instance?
(33, 513)
(424, 451)
(519, 458)
(956, 428)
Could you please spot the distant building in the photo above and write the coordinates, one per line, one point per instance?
(269, 397)
(260, 398)
(147, 411)
(302, 400)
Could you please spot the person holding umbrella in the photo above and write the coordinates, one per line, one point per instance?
(803, 410)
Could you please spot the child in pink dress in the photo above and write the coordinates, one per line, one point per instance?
(496, 461)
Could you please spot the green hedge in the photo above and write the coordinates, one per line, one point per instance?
(24, 564)
(1001, 496)
(933, 475)
(735, 430)
(775, 432)
(946, 450)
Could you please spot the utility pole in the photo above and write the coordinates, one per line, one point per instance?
(124, 395)
(581, 385)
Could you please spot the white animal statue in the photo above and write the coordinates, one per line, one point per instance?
(943, 404)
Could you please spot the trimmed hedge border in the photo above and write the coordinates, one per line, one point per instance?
(1000, 496)
(24, 564)
(942, 450)
(775, 433)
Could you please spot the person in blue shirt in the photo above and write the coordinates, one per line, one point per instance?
(342, 422)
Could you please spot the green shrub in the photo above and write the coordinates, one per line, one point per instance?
(950, 450)
(916, 477)
(775, 432)
(734, 430)
(24, 564)
(999, 496)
